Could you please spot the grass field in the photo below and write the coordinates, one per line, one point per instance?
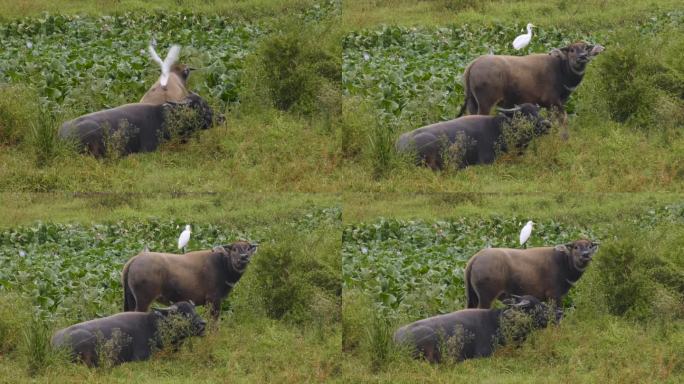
(402, 69)
(623, 322)
(356, 240)
(276, 326)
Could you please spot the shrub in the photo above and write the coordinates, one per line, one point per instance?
(636, 86)
(637, 281)
(380, 148)
(298, 276)
(43, 138)
(18, 110)
(11, 321)
(379, 340)
(295, 71)
(37, 344)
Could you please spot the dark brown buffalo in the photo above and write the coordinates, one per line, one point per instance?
(129, 336)
(544, 272)
(205, 277)
(543, 79)
(469, 140)
(176, 88)
(136, 127)
(472, 333)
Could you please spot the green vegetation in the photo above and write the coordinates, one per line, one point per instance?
(627, 308)
(275, 137)
(398, 77)
(59, 274)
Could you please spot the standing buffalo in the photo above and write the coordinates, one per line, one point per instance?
(471, 140)
(544, 79)
(472, 333)
(129, 336)
(137, 127)
(202, 276)
(545, 272)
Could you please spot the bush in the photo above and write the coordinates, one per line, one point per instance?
(637, 281)
(298, 276)
(11, 321)
(295, 71)
(43, 139)
(37, 344)
(643, 90)
(18, 110)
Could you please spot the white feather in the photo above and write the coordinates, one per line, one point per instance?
(526, 232)
(184, 237)
(171, 59)
(521, 41)
(165, 65)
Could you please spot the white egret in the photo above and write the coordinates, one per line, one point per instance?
(521, 41)
(165, 65)
(526, 232)
(184, 238)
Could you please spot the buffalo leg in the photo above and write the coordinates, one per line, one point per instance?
(486, 297)
(471, 105)
(562, 116)
(214, 308)
(142, 304)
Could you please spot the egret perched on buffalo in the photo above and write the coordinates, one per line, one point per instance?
(526, 232)
(523, 40)
(165, 65)
(184, 238)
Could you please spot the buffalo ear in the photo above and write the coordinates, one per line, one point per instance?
(564, 248)
(559, 52)
(252, 248)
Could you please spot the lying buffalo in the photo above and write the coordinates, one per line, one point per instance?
(544, 79)
(130, 336)
(202, 276)
(137, 127)
(545, 272)
(472, 333)
(471, 140)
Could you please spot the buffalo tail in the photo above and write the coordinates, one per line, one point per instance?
(471, 295)
(129, 298)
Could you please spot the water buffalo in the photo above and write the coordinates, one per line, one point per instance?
(129, 336)
(544, 79)
(202, 276)
(175, 89)
(136, 127)
(472, 333)
(544, 272)
(470, 140)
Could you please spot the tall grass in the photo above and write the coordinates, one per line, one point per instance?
(37, 344)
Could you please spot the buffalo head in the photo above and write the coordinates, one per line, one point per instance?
(193, 324)
(528, 112)
(183, 71)
(540, 313)
(238, 254)
(577, 54)
(580, 252)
